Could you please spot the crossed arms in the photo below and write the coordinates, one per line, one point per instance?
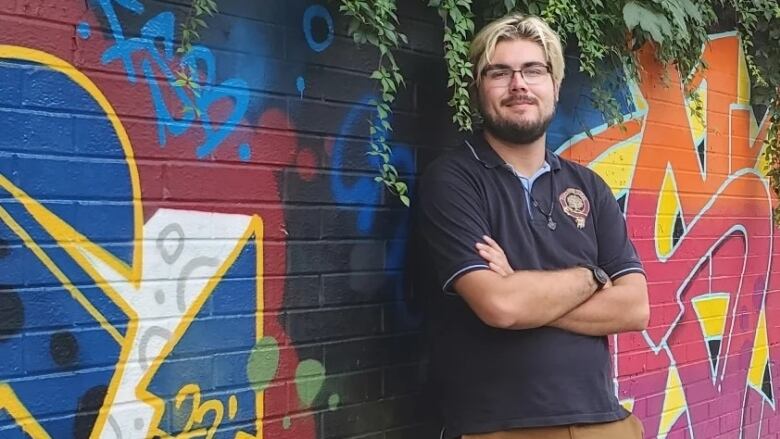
(566, 299)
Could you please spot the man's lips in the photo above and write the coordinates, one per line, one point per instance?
(514, 102)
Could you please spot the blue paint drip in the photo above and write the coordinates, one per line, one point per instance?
(84, 30)
(300, 84)
(312, 12)
(162, 28)
(244, 152)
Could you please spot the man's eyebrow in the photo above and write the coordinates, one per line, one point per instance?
(522, 66)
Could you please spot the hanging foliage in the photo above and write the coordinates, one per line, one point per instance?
(606, 34)
(375, 23)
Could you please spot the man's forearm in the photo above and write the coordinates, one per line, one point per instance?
(537, 298)
(617, 309)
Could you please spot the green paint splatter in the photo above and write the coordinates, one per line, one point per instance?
(333, 401)
(263, 363)
(309, 377)
(286, 422)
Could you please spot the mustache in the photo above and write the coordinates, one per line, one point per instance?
(523, 99)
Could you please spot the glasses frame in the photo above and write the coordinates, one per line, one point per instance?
(521, 70)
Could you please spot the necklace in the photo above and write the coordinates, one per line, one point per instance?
(552, 225)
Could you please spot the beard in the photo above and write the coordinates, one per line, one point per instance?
(519, 133)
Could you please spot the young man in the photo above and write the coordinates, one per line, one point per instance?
(533, 266)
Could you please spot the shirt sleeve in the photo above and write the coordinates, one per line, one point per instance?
(616, 253)
(452, 219)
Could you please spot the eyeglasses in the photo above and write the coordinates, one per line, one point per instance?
(501, 76)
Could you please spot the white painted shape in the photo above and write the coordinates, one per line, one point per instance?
(207, 237)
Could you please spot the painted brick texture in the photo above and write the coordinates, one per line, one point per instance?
(236, 271)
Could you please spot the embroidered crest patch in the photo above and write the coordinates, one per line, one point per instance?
(576, 205)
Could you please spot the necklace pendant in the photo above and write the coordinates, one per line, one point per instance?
(551, 224)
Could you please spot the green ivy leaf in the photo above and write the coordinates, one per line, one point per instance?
(652, 22)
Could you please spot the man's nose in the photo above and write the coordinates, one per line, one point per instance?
(517, 82)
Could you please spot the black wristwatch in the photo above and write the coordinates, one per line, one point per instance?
(599, 275)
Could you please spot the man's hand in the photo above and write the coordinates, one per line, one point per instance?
(494, 255)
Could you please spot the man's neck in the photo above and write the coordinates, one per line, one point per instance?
(526, 159)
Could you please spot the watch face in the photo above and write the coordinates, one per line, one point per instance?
(601, 276)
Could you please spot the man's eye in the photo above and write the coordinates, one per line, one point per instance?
(534, 71)
(498, 74)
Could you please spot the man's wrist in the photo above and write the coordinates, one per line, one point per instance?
(597, 277)
(590, 281)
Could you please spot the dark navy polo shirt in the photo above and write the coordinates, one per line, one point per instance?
(489, 379)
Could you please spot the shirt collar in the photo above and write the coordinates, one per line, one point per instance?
(485, 154)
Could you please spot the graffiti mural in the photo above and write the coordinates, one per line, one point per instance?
(700, 213)
(144, 226)
(145, 296)
(219, 262)
(208, 261)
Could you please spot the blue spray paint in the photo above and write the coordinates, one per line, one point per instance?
(575, 112)
(313, 12)
(244, 152)
(83, 30)
(300, 84)
(162, 28)
(366, 192)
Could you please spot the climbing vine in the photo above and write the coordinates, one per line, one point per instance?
(194, 22)
(458, 27)
(607, 35)
(375, 22)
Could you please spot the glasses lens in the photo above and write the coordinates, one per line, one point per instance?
(534, 75)
(499, 77)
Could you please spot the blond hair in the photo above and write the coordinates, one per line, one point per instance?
(517, 26)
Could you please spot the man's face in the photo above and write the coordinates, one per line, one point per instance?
(517, 112)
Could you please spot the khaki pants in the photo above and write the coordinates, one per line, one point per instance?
(628, 428)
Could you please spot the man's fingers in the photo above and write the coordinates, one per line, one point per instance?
(493, 244)
(497, 269)
(487, 255)
(485, 248)
(494, 256)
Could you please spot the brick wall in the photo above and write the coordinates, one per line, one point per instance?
(699, 211)
(236, 268)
